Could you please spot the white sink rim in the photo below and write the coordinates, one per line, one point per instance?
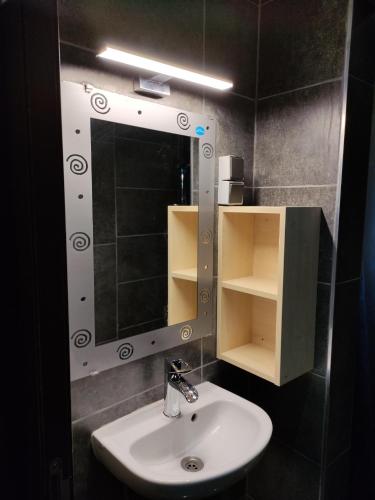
(208, 393)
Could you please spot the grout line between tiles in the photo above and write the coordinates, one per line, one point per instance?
(361, 80)
(138, 235)
(338, 456)
(315, 186)
(97, 245)
(344, 282)
(142, 279)
(297, 452)
(297, 89)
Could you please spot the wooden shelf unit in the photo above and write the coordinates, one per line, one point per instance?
(182, 263)
(267, 282)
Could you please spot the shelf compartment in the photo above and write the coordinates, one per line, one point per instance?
(185, 274)
(248, 332)
(250, 244)
(182, 263)
(182, 301)
(260, 359)
(261, 287)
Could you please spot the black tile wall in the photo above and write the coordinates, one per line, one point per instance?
(143, 211)
(285, 475)
(103, 186)
(337, 485)
(298, 137)
(160, 159)
(134, 180)
(362, 59)
(231, 43)
(346, 331)
(141, 301)
(172, 32)
(235, 128)
(301, 43)
(105, 292)
(321, 335)
(134, 257)
(354, 178)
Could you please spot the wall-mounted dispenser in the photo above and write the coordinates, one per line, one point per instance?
(231, 175)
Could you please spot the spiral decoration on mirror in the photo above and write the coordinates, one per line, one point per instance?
(81, 338)
(186, 332)
(80, 241)
(78, 164)
(183, 121)
(205, 295)
(125, 351)
(99, 103)
(208, 150)
(206, 237)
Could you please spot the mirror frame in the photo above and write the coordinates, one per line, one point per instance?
(80, 103)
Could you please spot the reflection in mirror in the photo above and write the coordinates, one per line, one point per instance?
(145, 220)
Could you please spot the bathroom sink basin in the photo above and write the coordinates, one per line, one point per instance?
(211, 446)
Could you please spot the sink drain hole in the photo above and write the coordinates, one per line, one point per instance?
(192, 464)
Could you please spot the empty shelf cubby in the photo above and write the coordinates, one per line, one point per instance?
(182, 263)
(267, 278)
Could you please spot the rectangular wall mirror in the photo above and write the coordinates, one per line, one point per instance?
(139, 180)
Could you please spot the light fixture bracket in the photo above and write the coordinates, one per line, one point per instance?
(155, 86)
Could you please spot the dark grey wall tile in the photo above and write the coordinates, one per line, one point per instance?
(111, 386)
(354, 179)
(102, 131)
(285, 475)
(324, 197)
(343, 362)
(296, 410)
(141, 256)
(142, 164)
(143, 211)
(172, 32)
(105, 293)
(298, 137)
(338, 480)
(151, 293)
(103, 192)
(235, 128)
(301, 43)
(231, 43)
(321, 336)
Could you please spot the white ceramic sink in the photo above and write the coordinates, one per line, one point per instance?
(145, 448)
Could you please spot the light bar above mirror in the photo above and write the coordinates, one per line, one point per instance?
(163, 69)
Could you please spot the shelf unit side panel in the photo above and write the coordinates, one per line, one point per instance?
(299, 291)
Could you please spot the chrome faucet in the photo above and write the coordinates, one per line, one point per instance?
(174, 385)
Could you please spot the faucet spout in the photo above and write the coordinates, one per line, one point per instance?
(175, 384)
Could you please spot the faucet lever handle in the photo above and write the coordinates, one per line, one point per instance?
(179, 366)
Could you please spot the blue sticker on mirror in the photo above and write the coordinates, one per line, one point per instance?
(200, 130)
